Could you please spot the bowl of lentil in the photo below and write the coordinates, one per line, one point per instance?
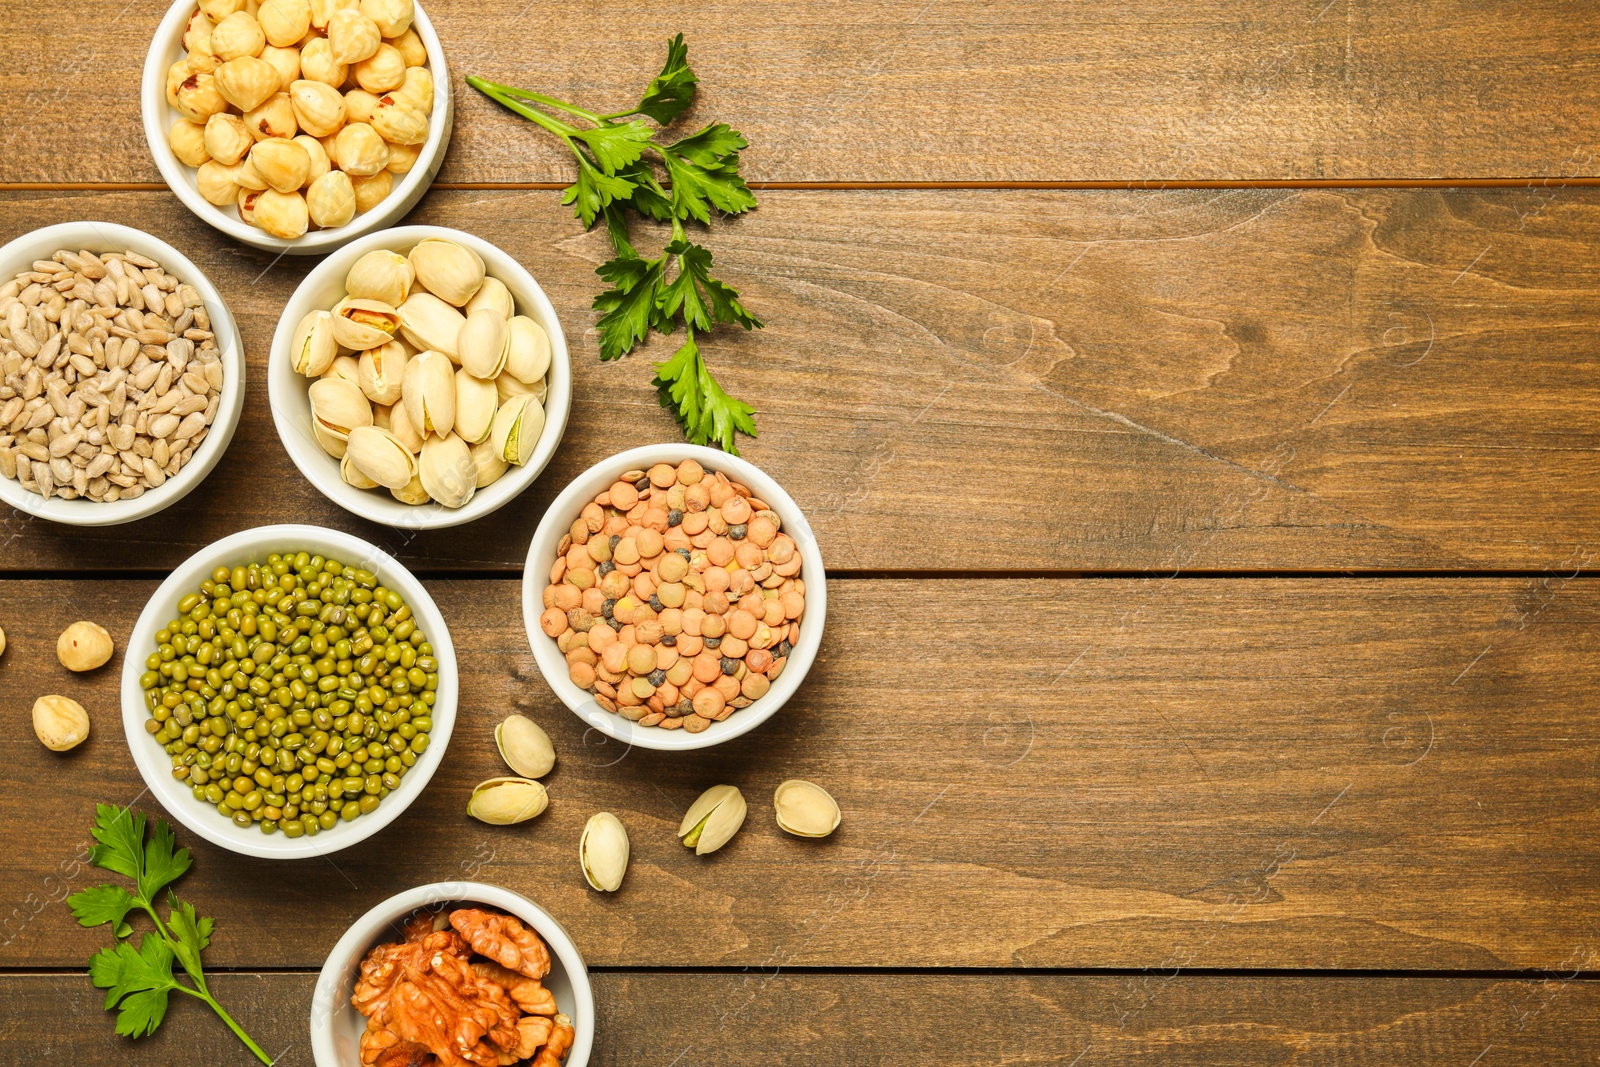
(723, 657)
(272, 765)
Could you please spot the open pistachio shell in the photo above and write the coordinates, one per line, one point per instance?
(381, 274)
(404, 432)
(603, 852)
(381, 457)
(527, 350)
(380, 370)
(489, 463)
(503, 801)
(805, 809)
(363, 324)
(333, 446)
(482, 343)
(525, 746)
(516, 428)
(449, 271)
(494, 295)
(507, 387)
(352, 474)
(476, 402)
(313, 347)
(413, 493)
(428, 389)
(338, 406)
(346, 368)
(713, 819)
(430, 323)
(447, 471)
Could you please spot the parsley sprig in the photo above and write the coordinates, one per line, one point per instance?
(138, 980)
(626, 165)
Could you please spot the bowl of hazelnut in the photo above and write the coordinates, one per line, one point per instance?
(297, 125)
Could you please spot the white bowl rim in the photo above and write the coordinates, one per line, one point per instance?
(369, 504)
(158, 117)
(552, 665)
(113, 236)
(362, 935)
(155, 767)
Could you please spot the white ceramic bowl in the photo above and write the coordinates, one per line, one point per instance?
(166, 48)
(542, 555)
(290, 397)
(253, 546)
(336, 1026)
(18, 256)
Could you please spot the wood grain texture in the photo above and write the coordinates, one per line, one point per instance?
(1356, 773)
(937, 1020)
(1162, 381)
(912, 91)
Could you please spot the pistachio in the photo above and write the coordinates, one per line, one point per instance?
(603, 852)
(428, 389)
(337, 407)
(198, 97)
(447, 470)
(516, 429)
(331, 200)
(83, 646)
(381, 369)
(318, 64)
(805, 809)
(430, 323)
(371, 189)
(449, 271)
(476, 401)
(494, 295)
(331, 444)
(188, 142)
(417, 88)
(345, 367)
(313, 348)
(216, 183)
(286, 61)
(274, 118)
(352, 36)
(2, 642)
(381, 274)
(237, 36)
(392, 17)
(525, 746)
(488, 462)
(319, 157)
(358, 150)
(282, 164)
(381, 457)
(413, 493)
(399, 121)
(284, 22)
(382, 71)
(318, 107)
(713, 819)
(507, 387)
(503, 801)
(60, 722)
(227, 138)
(352, 474)
(527, 350)
(246, 82)
(482, 343)
(404, 432)
(363, 324)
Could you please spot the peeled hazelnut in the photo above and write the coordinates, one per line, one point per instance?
(402, 157)
(282, 214)
(322, 11)
(284, 21)
(318, 107)
(371, 190)
(246, 176)
(399, 121)
(359, 151)
(331, 199)
(319, 157)
(188, 142)
(60, 722)
(282, 164)
(198, 98)
(392, 17)
(217, 10)
(385, 69)
(235, 36)
(287, 63)
(352, 36)
(318, 64)
(83, 646)
(216, 182)
(247, 205)
(227, 138)
(2, 642)
(176, 75)
(197, 33)
(246, 82)
(418, 88)
(412, 48)
(274, 118)
(358, 105)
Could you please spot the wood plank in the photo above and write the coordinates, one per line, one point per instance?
(1354, 773)
(905, 90)
(931, 1019)
(1169, 381)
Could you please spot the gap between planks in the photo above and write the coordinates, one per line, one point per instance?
(1156, 184)
(510, 573)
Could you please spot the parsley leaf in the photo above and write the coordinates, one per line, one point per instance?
(162, 865)
(594, 191)
(712, 146)
(102, 904)
(673, 89)
(615, 147)
(699, 298)
(629, 306)
(190, 930)
(695, 184)
(707, 414)
(138, 980)
(121, 837)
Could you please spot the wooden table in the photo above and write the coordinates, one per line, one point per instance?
(1195, 402)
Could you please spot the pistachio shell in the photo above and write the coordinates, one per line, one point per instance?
(482, 343)
(503, 801)
(381, 457)
(428, 388)
(527, 350)
(404, 432)
(413, 493)
(364, 324)
(447, 470)
(345, 367)
(507, 387)
(333, 446)
(525, 746)
(246, 82)
(490, 465)
(430, 323)
(713, 819)
(381, 274)
(476, 401)
(492, 294)
(603, 852)
(338, 406)
(516, 428)
(381, 370)
(805, 809)
(314, 347)
(449, 271)
(352, 474)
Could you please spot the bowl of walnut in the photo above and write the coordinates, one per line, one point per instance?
(453, 973)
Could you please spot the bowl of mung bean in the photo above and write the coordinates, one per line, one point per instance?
(674, 596)
(288, 691)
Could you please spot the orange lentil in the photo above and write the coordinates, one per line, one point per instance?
(623, 496)
(553, 622)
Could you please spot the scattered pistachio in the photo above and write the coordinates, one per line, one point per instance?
(713, 819)
(525, 746)
(503, 801)
(60, 722)
(603, 851)
(83, 646)
(805, 809)
(2, 642)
